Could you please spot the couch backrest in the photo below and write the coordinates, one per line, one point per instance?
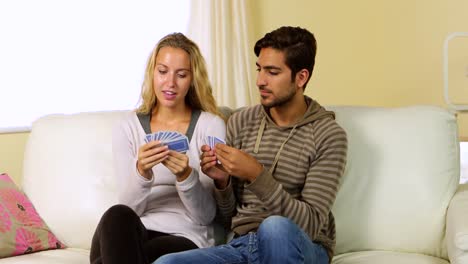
(68, 173)
(402, 171)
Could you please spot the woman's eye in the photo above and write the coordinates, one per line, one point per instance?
(162, 71)
(182, 75)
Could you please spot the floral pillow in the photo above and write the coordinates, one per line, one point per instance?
(22, 230)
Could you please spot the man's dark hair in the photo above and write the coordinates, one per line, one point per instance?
(298, 44)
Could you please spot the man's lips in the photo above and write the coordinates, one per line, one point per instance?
(264, 91)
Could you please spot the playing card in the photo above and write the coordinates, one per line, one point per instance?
(158, 135)
(217, 140)
(212, 141)
(180, 144)
(148, 138)
(172, 135)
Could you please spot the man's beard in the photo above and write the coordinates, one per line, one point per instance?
(280, 101)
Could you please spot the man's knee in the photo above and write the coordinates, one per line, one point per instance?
(276, 226)
(166, 259)
(186, 257)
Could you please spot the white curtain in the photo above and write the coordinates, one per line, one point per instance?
(223, 30)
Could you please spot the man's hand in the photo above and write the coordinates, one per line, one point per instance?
(210, 167)
(238, 163)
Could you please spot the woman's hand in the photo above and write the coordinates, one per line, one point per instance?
(149, 155)
(178, 163)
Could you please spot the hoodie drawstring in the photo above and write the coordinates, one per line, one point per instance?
(259, 138)
(259, 135)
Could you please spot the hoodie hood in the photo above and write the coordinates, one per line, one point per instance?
(314, 112)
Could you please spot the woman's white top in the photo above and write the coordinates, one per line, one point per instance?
(184, 208)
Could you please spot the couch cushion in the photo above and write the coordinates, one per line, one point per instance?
(21, 228)
(401, 173)
(386, 257)
(457, 226)
(59, 256)
(68, 173)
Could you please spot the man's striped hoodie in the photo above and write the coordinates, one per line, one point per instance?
(303, 183)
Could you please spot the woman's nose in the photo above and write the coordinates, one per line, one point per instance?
(171, 79)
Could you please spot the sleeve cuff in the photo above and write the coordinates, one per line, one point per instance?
(264, 185)
(223, 194)
(142, 181)
(189, 182)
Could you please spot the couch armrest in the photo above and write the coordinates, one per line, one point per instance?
(457, 226)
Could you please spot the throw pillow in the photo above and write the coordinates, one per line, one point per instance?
(22, 230)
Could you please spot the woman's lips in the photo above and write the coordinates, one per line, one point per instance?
(168, 95)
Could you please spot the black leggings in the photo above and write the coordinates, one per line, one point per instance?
(121, 237)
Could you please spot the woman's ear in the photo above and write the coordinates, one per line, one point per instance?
(301, 78)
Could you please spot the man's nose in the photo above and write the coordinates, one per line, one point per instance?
(261, 80)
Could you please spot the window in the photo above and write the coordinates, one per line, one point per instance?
(77, 56)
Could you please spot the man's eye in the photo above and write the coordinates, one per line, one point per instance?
(274, 73)
(258, 69)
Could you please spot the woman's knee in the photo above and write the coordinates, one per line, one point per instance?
(117, 214)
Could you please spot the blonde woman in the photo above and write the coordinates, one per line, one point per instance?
(166, 201)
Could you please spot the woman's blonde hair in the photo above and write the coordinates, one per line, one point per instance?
(200, 93)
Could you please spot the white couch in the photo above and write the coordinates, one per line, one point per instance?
(401, 178)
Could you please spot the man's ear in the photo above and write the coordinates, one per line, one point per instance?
(301, 78)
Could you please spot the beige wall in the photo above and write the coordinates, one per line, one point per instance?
(374, 53)
(11, 154)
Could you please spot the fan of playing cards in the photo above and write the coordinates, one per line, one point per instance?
(212, 141)
(172, 139)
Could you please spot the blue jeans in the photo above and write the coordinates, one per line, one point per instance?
(277, 240)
